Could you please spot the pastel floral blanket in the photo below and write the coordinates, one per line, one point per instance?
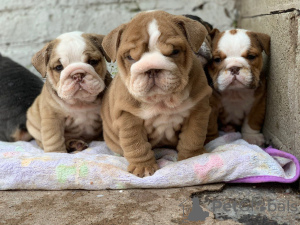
(23, 165)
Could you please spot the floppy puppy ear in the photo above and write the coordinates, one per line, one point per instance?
(108, 79)
(41, 59)
(264, 41)
(214, 33)
(97, 40)
(194, 31)
(111, 42)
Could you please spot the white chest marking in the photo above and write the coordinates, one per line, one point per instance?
(162, 124)
(83, 123)
(162, 128)
(237, 104)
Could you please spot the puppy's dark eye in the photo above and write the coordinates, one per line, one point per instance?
(59, 68)
(129, 58)
(217, 59)
(175, 52)
(251, 57)
(93, 62)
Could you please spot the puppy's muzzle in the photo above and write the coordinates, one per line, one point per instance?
(77, 77)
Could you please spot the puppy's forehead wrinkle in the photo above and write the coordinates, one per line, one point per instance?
(154, 34)
(234, 45)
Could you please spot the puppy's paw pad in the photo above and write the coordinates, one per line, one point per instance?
(142, 171)
(254, 139)
(74, 145)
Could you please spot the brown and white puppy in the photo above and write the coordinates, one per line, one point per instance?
(65, 116)
(160, 97)
(239, 99)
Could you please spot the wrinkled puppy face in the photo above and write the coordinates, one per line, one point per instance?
(153, 69)
(237, 59)
(154, 52)
(74, 65)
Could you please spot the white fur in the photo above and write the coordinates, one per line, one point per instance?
(164, 127)
(233, 45)
(71, 47)
(83, 122)
(161, 122)
(237, 103)
(154, 34)
(252, 136)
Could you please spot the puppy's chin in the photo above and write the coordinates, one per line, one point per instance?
(227, 81)
(86, 89)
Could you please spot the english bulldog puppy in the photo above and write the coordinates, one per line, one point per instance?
(65, 116)
(18, 89)
(239, 98)
(160, 96)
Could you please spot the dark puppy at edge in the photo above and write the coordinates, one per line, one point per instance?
(18, 89)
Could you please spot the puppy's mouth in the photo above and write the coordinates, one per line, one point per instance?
(236, 83)
(79, 82)
(155, 82)
(234, 78)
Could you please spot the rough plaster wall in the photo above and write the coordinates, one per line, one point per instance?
(26, 25)
(280, 19)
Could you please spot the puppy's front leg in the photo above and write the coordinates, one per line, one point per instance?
(52, 129)
(193, 134)
(134, 142)
(251, 129)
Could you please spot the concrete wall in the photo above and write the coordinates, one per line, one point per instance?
(280, 19)
(26, 25)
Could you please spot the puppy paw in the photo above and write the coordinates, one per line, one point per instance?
(142, 170)
(75, 145)
(254, 139)
(186, 155)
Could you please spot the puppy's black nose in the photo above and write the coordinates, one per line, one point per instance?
(152, 72)
(78, 77)
(235, 70)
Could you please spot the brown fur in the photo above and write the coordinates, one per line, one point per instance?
(259, 42)
(125, 132)
(21, 135)
(50, 120)
(233, 31)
